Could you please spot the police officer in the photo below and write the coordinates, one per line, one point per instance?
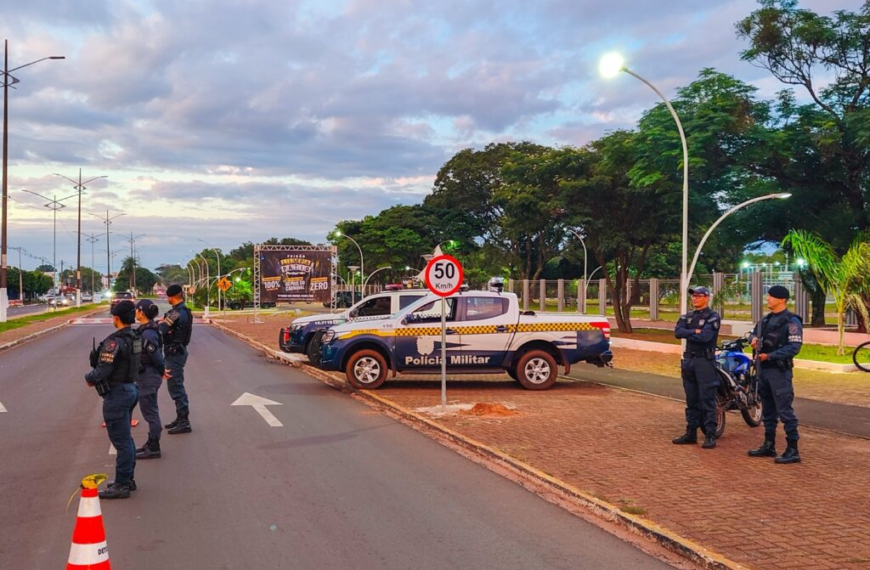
(176, 328)
(150, 376)
(115, 366)
(700, 328)
(777, 338)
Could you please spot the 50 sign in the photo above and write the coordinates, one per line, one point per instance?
(444, 275)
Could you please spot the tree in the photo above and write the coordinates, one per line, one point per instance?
(846, 279)
(622, 222)
(794, 45)
(145, 281)
(45, 268)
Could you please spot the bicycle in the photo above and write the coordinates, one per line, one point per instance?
(861, 356)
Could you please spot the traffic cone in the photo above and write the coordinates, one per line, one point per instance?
(88, 549)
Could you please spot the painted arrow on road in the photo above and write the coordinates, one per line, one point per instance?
(2, 409)
(260, 404)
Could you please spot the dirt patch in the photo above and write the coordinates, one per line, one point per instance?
(489, 410)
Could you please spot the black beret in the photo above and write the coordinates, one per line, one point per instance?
(174, 290)
(778, 292)
(124, 307)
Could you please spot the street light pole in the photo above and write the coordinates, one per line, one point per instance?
(108, 222)
(373, 272)
(7, 81)
(207, 286)
(54, 205)
(92, 238)
(79, 186)
(611, 65)
(780, 196)
(362, 264)
(585, 279)
(217, 255)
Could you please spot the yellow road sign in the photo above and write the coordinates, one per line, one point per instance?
(224, 284)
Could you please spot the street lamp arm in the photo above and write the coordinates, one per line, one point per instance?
(366, 282)
(720, 220)
(33, 62)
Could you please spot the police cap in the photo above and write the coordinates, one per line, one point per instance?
(122, 308)
(778, 292)
(147, 306)
(173, 290)
(700, 290)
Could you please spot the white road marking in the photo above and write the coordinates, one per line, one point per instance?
(260, 404)
(2, 409)
(112, 450)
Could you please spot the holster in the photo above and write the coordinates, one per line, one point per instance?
(102, 387)
(174, 349)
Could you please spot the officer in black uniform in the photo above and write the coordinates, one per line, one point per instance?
(176, 328)
(150, 376)
(115, 366)
(777, 338)
(700, 328)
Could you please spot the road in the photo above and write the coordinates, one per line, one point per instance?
(23, 311)
(851, 420)
(337, 485)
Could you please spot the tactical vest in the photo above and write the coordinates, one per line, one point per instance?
(774, 329)
(179, 333)
(152, 326)
(127, 360)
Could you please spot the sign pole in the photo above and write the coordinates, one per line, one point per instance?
(443, 355)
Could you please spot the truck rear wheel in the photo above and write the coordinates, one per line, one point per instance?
(366, 370)
(536, 370)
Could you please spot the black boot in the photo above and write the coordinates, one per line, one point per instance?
(151, 449)
(132, 484)
(767, 449)
(709, 441)
(791, 454)
(691, 436)
(116, 491)
(174, 422)
(182, 425)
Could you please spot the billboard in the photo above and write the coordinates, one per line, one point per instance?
(295, 275)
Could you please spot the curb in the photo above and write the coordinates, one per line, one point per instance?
(604, 510)
(289, 359)
(37, 334)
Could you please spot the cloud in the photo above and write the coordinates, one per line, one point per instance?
(267, 117)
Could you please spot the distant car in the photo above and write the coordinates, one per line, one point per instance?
(123, 296)
(87, 297)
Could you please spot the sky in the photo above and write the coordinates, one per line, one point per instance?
(228, 121)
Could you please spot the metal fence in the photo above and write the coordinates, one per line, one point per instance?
(659, 299)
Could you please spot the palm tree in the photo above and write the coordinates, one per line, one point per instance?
(846, 279)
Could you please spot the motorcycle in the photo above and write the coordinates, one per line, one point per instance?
(738, 385)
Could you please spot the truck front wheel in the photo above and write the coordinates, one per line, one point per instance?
(366, 370)
(536, 370)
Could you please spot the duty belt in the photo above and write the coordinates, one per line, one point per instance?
(696, 353)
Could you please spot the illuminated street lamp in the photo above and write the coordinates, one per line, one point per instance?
(610, 66)
(780, 196)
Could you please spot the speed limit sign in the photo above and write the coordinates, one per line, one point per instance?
(444, 275)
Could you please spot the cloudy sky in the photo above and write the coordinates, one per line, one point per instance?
(238, 120)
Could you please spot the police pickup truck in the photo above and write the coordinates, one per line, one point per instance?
(486, 333)
(303, 334)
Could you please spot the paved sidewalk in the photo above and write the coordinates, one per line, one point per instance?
(616, 445)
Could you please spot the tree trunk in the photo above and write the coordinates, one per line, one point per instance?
(818, 302)
(621, 306)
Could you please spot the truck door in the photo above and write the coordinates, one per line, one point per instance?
(485, 332)
(418, 343)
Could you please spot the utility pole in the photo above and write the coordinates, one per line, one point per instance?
(92, 238)
(108, 222)
(79, 186)
(54, 205)
(132, 241)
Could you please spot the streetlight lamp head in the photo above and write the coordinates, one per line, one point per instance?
(745, 264)
(57, 57)
(338, 233)
(784, 195)
(611, 64)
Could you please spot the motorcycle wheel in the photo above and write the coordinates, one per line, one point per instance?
(752, 412)
(721, 406)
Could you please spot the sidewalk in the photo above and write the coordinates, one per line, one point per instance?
(615, 445)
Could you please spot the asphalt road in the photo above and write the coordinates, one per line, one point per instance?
(852, 420)
(23, 311)
(337, 485)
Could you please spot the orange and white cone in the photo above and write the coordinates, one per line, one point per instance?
(89, 549)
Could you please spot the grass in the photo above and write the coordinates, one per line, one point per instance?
(819, 352)
(24, 321)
